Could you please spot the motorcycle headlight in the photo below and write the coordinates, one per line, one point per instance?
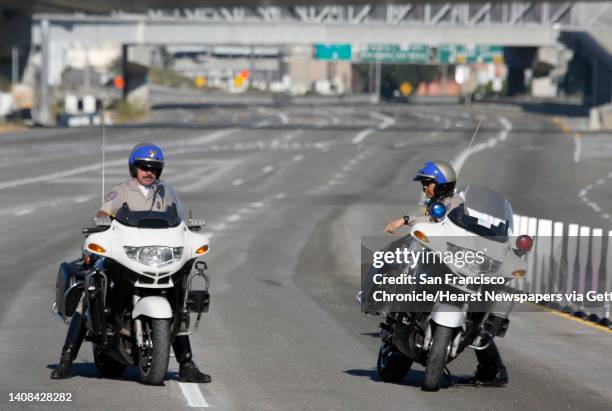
(487, 266)
(154, 256)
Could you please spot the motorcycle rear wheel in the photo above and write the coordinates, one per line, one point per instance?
(153, 359)
(438, 355)
(392, 365)
(107, 366)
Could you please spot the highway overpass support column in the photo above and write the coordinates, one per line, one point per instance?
(518, 59)
(601, 82)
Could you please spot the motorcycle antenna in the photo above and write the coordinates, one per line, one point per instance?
(461, 159)
(103, 146)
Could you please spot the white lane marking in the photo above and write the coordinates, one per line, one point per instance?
(284, 118)
(233, 218)
(463, 156)
(45, 204)
(361, 135)
(46, 177)
(262, 123)
(386, 121)
(291, 136)
(179, 143)
(280, 196)
(79, 200)
(583, 195)
(219, 227)
(237, 182)
(194, 396)
(324, 147)
(298, 157)
(346, 168)
(338, 176)
(210, 172)
(257, 204)
(207, 138)
(267, 169)
(23, 212)
(505, 123)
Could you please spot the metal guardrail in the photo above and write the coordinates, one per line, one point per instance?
(568, 258)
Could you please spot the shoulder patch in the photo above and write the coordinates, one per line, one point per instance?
(111, 196)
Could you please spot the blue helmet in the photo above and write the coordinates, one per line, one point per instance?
(440, 173)
(146, 156)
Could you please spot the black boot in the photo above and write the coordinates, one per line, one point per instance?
(188, 371)
(491, 371)
(486, 378)
(74, 339)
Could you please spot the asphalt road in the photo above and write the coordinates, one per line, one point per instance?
(288, 192)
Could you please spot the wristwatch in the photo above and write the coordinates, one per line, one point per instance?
(406, 219)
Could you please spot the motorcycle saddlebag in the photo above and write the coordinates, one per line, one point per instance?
(68, 289)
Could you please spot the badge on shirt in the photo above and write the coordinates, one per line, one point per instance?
(111, 196)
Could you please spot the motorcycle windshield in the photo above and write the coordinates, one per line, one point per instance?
(172, 217)
(484, 212)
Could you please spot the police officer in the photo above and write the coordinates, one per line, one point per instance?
(143, 192)
(438, 180)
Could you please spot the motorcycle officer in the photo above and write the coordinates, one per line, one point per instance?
(438, 180)
(144, 191)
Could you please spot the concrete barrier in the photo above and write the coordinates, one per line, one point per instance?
(600, 117)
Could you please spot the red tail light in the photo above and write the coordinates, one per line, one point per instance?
(524, 243)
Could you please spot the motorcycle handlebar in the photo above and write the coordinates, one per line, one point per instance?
(91, 230)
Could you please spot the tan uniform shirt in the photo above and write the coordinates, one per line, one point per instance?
(129, 192)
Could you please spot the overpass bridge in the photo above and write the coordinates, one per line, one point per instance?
(508, 24)
(511, 24)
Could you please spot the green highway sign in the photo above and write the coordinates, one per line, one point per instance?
(333, 51)
(391, 53)
(459, 54)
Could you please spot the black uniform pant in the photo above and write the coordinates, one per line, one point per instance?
(489, 360)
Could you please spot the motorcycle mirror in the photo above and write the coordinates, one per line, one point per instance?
(102, 221)
(196, 222)
(437, 210)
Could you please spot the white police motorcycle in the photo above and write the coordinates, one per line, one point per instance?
(435, 333)
(135, 281)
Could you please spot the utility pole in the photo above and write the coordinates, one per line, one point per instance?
(44, 114)
(14, 65)
(378, 83)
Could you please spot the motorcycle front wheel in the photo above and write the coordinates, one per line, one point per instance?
(438, 355)
(153, 357)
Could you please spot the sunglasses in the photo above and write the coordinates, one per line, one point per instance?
(426, 183)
